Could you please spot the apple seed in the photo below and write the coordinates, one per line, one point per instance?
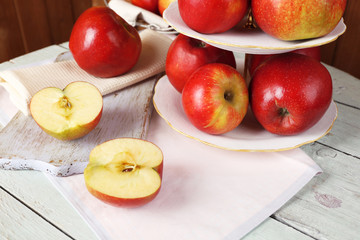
(65, 103)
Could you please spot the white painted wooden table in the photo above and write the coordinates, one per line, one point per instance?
(328, 207)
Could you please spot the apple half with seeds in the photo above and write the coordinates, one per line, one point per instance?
(70, 113)
(124, 172)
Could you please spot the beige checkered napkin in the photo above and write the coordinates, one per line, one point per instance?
(23, 83)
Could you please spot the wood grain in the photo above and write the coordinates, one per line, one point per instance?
(31, 225)
(60, 18)
(35, 29)
(10, 34)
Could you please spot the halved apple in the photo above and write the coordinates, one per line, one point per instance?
(70, 113)
(125, 172)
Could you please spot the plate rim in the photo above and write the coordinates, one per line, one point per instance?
(240, 150)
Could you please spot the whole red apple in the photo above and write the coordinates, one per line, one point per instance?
(187, 54)
(215, 98)
(254, 60)
(150, 5)
(212, 16)
(289, 93)
(163, 4)
(103, 44)
(297, 19)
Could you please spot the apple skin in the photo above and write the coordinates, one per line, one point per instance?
(297, 19)
(215, 98)
(212, 16)
(187, 54)
(103, 44)
(124, 203)
(117, 201)
(254, 60)
(150, 5)
(164, 4)
(289, 93)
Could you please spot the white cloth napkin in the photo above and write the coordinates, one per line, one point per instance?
(23, 83)
(207, 193)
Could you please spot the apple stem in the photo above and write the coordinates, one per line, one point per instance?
(283, 112)
(250, 21)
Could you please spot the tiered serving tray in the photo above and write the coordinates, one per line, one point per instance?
(250, 135)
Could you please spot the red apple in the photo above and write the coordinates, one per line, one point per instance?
(212, 16)
(104, 44)
(186, 54)
(289, 93)
(124, 172)
(215, 98)
(297, 19)
(164, 4)
(70, 113)
(254, 60)
(150, 5)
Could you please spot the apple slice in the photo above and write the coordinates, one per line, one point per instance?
(70, 113)
(124, 172)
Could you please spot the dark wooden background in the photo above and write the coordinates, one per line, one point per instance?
(28, 25)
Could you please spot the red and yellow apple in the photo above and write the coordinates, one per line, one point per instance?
(254, 60)
(289, 93)
(164, 4)
(215, 98)
(125, 172)
(103, 44)
(70, 113)
(150, 5)
(212, 16)
(187, 54)
(297, 19)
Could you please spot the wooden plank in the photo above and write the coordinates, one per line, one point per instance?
(34, 189)
(344, 135)
(347, 55)
(328, 206)
(345, 87)
(35, 57)
(79, 6)
(33, 24)
(273, 229)
(11, 44)
(60, 17)
(19, 222)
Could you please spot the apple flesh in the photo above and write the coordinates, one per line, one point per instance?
(186, 54)
(215, 98)
(212, 16)
(124, 172)
(254, 60)
(70, 113)
(103, 44)
(297, 19)
(289, 93)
